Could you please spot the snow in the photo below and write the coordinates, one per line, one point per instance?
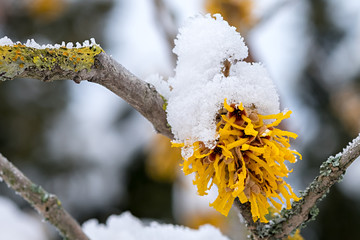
(355, 142)
(18, 225)
(162, 85)
(351, 181)
(126, 226)
(5, 41)
(202, 44)
(199, 87)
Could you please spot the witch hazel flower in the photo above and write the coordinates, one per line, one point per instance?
(224, 114)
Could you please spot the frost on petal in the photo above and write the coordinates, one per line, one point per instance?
(204, 46)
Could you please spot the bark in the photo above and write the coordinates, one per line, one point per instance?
(48, 205)
(331, 172)
(305, 210)
(100, 68)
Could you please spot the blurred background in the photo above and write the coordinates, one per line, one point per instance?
(100, 157)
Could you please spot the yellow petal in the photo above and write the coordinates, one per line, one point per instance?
(177, 144)
(249, 129)
(237, 143)
(227, 106)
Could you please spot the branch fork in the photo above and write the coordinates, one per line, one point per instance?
(145, 99)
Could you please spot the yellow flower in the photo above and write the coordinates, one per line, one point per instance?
(247, 161)
(46, 10)
(238, 13)
(163, 161)
(296, 236)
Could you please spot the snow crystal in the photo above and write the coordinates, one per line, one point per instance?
(126, 226)
(199, 87)
(5, 41)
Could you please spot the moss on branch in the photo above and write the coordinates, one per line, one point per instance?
(17, 58)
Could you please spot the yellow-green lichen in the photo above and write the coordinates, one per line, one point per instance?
(164, 106)
(14, 59)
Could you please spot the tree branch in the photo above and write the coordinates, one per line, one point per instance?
(139, 94)
(85, 63)
(96, 66)
(303, 211)
(48, 205)
(331, 171)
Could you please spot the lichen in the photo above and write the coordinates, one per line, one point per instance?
(15, 59)
(331, 162)
(314, 211)
(44, 196)
(10, 178)
(275, 227)
(164, 106)
(36, 188)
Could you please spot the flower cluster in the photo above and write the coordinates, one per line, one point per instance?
(247, 161)
(232, 143)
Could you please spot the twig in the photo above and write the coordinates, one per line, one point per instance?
(144, 98)
(104, 71)
(331, 171)
(244, 209)
(139, 94)
(48, 205)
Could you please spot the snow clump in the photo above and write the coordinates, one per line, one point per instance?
(201, 83)
(5, 41)
(17, 225)
(126, 226)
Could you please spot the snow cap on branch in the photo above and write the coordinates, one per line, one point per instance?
(201, 46)
(210, 69)
(5, 41)
(126, 226)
